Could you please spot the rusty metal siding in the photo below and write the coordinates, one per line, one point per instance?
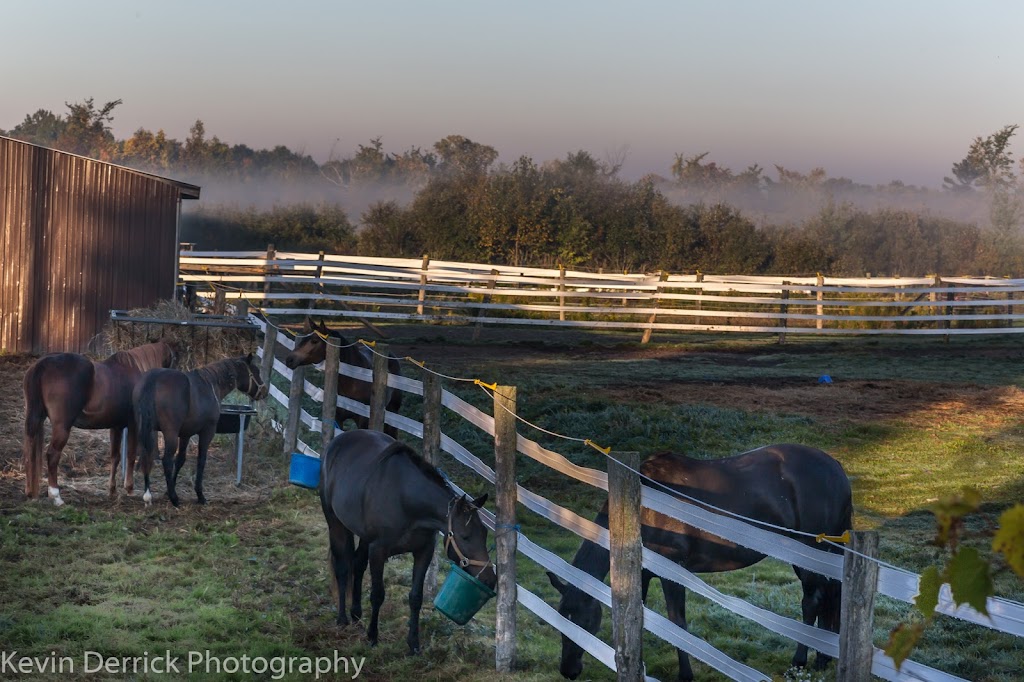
(80, 237)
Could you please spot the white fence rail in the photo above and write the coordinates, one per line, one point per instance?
(1005, 615)
(414, 289)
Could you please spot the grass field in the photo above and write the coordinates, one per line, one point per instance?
(911, 420)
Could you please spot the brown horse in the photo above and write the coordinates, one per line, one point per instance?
(73, 390)
(312, 349)
(183, 404)
(792, 486)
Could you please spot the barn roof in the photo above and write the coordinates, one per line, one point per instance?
(185, 190)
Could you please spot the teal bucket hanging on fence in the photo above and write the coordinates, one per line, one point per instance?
(461, 596)
(304, 470)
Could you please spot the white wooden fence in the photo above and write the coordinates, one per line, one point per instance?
(415, 289)
(1004, 615)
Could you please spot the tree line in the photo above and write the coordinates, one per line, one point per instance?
(577, 211)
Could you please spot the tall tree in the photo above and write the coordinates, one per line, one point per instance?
(87, 130)
(42, 128)
(988, 163)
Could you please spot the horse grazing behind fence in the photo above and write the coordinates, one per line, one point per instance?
(73, 390)
(183, 404)
(792, 486)
(378, 489)
(311, 349)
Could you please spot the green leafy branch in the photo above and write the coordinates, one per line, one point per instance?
(967, 572)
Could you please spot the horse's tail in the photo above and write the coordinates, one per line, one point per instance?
(35, 415)
(144, 404)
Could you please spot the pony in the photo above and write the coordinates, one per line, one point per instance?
(183, 404)
(311, 349)
(73, 390)
(377, 488)
(792, 486)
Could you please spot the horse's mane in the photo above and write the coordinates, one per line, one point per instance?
(423, 465)
(220, 372)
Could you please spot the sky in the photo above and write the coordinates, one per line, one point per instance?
(870, 90)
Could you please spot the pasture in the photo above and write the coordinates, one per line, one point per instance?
(911, 420)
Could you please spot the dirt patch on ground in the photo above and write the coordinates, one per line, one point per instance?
(848, 400)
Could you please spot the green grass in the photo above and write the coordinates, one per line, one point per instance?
(250, 577)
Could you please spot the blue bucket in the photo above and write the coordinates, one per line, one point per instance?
(462, 595)
(304, 471)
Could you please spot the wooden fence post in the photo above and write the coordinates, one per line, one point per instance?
(860, 581)
(626, 565)
(328, 413)
(219, 300)
(504, 531)
(295, 393)
(561, 297)
(423, 284)
(267, 365)
(820, 310)
(271, 255)
(698, 278)
(432, 454)
(950, 296)
(784, 310)
(662, 276)
(491, 283)
(379, 388)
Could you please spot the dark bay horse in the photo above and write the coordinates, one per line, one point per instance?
(183, 404)
(312, 349)
(73, 390)
(792, 486)
(378, 489)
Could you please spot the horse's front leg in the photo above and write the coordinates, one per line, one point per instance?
(675, 604)
(809, 610)
(205, 438)
(378, 554)
(420, 562)
(116, 436)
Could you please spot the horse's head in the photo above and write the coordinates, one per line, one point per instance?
(583, 610)
(466, 539)
(249, 381)
(310, 348)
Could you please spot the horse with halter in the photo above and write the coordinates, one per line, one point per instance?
(73, 390)
(792, 486)
(183, 404)
(378, 489)
(311, 349)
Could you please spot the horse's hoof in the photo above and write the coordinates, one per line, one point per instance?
(201, 500)
(54, 494)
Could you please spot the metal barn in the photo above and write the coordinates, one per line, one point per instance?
(80, 237)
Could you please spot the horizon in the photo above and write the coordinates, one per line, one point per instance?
(876, 93)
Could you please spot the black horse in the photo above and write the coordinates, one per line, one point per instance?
(312, 349)
(792, 486)
(183, 404)
(378, 489)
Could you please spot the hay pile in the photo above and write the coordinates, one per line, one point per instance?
(197, 345)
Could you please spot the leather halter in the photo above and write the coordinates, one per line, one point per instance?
(253, 380)
(449, 542)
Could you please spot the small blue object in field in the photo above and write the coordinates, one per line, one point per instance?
(824, 379)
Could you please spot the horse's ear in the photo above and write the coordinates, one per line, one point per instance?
(248, 359)
(557, 583)
(323, 327)
(480, 501)
(308, 325)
